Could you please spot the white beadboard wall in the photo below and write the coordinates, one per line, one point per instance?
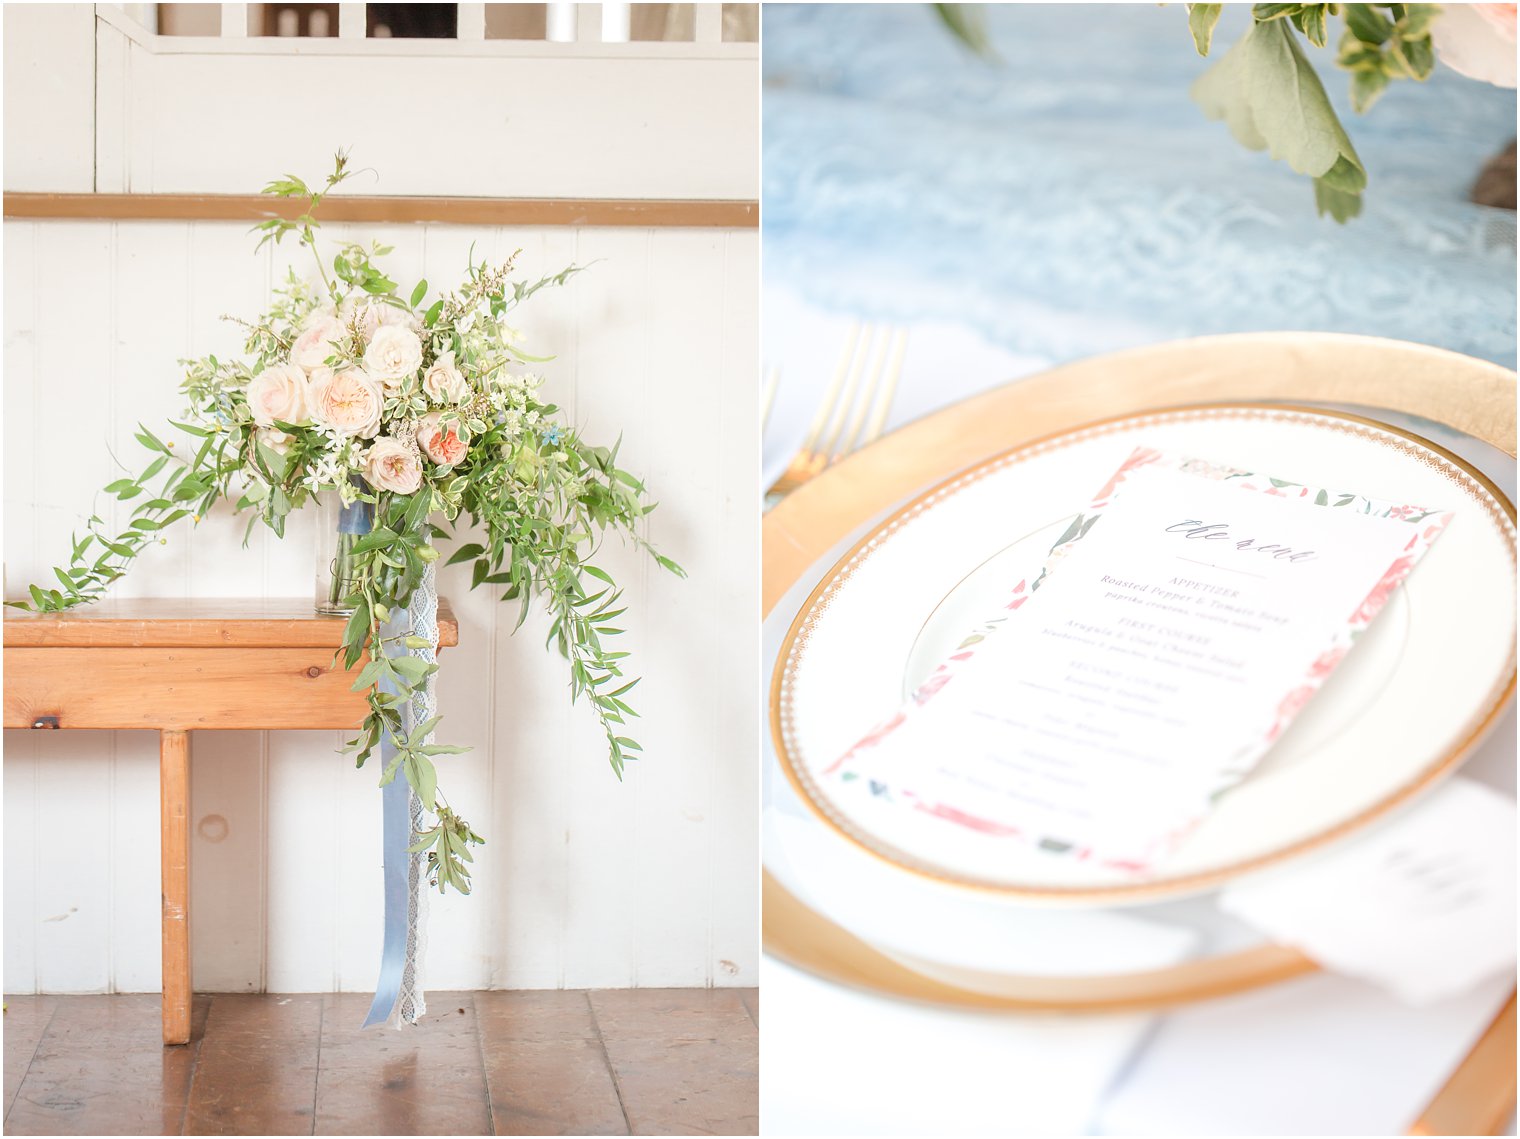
(584, 882)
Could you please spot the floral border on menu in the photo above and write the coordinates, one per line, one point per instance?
(1080, 526)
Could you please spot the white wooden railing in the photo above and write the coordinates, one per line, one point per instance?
(123, 109)
(564, 23)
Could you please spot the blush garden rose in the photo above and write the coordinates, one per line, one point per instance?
(1477, 40)
(443, 382)
(317, 340)
(391, 466)
(278, 394)
(393, 356)
(349, 402)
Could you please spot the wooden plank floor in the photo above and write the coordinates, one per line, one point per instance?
(609, 1062)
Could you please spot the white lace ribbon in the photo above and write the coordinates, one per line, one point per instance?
(411, 1002)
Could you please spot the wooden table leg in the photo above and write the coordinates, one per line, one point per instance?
(174, 852)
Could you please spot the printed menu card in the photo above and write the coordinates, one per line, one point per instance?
(1179, 625)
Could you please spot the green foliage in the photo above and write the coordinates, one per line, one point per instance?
(1378, 48)
(186, 488)
(1268, 94)
(1201, 21)
(967, 23)
(543, 497)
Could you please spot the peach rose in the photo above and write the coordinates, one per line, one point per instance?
(1477, 40)
(349, 402)
(278, 393)
(443, 382)
(389, 465)
(440, 443)
(318, 340)
(393, 356)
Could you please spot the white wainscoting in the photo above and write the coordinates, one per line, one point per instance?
(583, 881)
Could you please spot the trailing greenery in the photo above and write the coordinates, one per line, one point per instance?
(421, 407)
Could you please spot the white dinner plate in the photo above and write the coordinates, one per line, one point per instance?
(1424, 684)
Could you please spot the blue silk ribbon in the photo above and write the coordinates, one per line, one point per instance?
(358, 518)
(397, 837)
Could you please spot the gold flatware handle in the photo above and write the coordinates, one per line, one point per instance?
(854, 406)
(1479, 1097)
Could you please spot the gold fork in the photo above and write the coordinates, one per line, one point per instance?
(854, 407)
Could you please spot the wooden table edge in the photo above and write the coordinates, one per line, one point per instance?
(133, 624)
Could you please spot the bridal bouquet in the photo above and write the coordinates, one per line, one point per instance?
(409, 412)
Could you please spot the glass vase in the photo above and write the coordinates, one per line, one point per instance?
(339, 527)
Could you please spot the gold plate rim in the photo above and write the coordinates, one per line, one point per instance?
(1472, 734)
(834, 954)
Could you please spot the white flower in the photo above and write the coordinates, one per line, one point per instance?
(276, 440)
(443, 382)
(318, 340)
(390, 466)
(1477, 40)
(278, 393)
(393, 356)
(348, 402)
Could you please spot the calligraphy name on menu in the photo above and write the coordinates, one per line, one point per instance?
(1194, 528)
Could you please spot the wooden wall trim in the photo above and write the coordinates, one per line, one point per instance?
(601, 212)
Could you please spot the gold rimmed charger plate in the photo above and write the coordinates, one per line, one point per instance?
(1472, 396)
(1461, 485)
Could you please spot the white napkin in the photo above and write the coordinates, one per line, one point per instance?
(1423, 906)
(841, 1062)
(1323, 1055)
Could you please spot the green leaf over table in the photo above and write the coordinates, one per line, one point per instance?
(1267, 93)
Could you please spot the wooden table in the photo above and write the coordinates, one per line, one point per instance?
(175, 667)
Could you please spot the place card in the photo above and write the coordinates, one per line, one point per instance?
(1177, 628)
(1423, 906)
